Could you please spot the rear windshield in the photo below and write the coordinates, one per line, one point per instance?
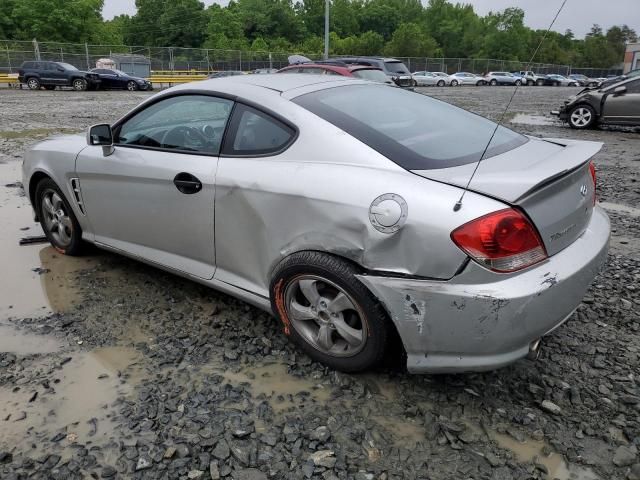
(373, 75)
(397, 67)
(413, 130)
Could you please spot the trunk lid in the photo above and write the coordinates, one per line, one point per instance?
(549, 179)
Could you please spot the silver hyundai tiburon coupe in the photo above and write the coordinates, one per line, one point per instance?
(330, 202)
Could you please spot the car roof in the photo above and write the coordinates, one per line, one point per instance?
(274, 82)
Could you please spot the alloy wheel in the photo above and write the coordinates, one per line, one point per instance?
(131, 86)
(33, 84)
(581, 117)
(79, 84)
(326, 316)
(56, 218)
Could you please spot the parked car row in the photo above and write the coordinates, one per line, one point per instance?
(441, 79)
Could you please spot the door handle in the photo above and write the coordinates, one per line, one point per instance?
(187, 183)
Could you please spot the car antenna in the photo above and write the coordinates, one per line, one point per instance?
(458, 204)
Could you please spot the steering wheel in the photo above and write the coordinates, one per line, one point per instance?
(181, 133)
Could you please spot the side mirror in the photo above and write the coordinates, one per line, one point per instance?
(620, 90)
(101, 135)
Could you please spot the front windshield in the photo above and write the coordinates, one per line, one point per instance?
(396, 66)
(371, 74)
(67, 66)
(415, 131)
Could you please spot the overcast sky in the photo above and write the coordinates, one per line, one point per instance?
(578, 15)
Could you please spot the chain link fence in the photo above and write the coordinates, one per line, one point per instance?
(170, 59)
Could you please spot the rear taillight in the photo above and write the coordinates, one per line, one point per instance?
(592, 169)
(503, 241)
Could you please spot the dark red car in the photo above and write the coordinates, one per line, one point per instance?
(364, 72)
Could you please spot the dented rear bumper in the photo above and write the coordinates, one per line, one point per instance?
(480, 320)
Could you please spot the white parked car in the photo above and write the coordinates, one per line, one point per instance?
(428, 79)
(466, 78)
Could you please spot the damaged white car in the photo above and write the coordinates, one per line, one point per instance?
(330, 202)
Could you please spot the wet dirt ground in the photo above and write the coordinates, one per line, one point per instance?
(113, 369)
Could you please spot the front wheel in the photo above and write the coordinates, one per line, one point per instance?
(454, 83)
(581, 117)
(79, 84)
(518, 83)
(328, 312)
(493, 82)
(132, 86)
(441, 83)
(58, 221)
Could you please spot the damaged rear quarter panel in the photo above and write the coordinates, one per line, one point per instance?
(316, 196)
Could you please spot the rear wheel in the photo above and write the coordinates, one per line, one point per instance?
(581, 117)
(493, 82)
(540, 82)
(530, 83)
(58, 221)
(328, 312)
(79, 84)
(33, 83)
(518, 83)
(454, 83)
(441, 83)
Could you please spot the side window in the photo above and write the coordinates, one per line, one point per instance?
(633, 87)
(313, 70)
(188, 123)
(256, 133)
(331, 72)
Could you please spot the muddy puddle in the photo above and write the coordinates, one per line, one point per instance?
(20, 343)
(65, 398)
(620, 208)
(540, 453)
(36, 280)
(537, 120)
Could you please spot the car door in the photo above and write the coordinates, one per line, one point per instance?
(625, 107)
(248, 160)
(107, 78)
(153, 196)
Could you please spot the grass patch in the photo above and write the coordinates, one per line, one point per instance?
(35, 132)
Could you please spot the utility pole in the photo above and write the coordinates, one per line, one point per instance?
(326, 29)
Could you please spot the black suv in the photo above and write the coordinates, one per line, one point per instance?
(56, 74)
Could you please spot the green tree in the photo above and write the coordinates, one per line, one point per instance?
(409, 40)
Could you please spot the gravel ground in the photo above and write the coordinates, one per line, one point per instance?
(112, 369)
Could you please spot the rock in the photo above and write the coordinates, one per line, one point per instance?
(493, 460)
(221, 452)
(169, 452)
(550, 407)
(108, 472)
(625, 456)
(323, 458)
(249, 474)
(634, 472)
(321, 434)
(213, 471)
(143, 463)
(6, 457)
(241, 454)
(193, 474)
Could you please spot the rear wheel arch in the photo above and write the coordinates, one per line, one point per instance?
(35, 179)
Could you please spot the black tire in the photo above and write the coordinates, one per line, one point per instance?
(441, 83)
(79, 84)
(493, 82)
(342, 274)
(530, 83)
(518, 83)
(479, 83)
(454, 83)
(582, 117)
(132, 86)
(75, 245)
(415, 83)
(33, 83)
(540, 82)
(49, 87)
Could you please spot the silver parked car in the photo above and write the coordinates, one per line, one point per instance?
(503, 78)
(330, 202)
